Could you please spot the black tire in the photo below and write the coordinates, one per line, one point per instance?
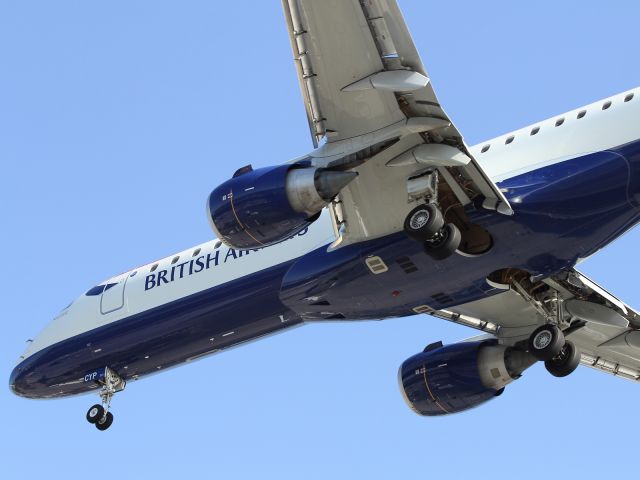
(95, 413)
(565, 362)
(105, 422)
(546, 342)
(423, 222)
(444, 244)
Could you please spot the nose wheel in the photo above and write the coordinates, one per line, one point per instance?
(99, 414)
(105, 422)
(95, 413)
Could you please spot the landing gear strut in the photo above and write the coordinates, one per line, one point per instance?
(560, 356)
(99, 414)
(425, 224)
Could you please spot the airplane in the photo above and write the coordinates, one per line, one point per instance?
(391, 214)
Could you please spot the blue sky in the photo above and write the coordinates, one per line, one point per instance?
(118, 118)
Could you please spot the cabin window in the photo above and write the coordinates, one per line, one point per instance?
(217, 245)
(154, 267)
(485, 148)
(606, 105)
(175, 259)
(581, 114)
(509, 140)
(97, 290)
(559, 122)
(534, 130)
(196, 252)
(628, 98)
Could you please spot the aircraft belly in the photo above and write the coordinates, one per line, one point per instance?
(163, 337)
(563, 212)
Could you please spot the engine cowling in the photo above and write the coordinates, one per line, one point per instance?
(257, 208)
(453, 378)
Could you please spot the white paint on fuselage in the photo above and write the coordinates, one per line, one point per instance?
(225, 265)
(598, 130)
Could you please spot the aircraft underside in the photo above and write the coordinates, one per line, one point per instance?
(391, 215)
(341, 285)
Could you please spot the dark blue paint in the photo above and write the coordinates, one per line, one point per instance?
(562, 212)
(445, 380)
(95, 375)
(168, 335)
(252, 210)
(185, 269)
(242, 171)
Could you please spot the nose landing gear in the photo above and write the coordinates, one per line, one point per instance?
(100, 417)
(99, 414)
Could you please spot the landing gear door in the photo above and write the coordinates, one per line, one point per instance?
(112, 298)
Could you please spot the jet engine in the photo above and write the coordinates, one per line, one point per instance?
(452, 378)
(260, 207)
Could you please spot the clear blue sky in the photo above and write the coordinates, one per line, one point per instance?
(117, 119)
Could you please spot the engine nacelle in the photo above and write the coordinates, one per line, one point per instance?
(452, 378)
(258, 208)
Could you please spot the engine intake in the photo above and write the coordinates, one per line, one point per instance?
(453, 378)
(258, 208)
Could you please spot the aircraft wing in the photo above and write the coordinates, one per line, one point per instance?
(606, 330)
(370, 102)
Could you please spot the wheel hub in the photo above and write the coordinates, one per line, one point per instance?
(562, 356)
(419, 219)
(542, 340)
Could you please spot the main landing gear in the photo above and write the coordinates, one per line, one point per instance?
(560, 356)
(425, 224)
(99, 414)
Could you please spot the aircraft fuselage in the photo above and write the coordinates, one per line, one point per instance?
(574, 188)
